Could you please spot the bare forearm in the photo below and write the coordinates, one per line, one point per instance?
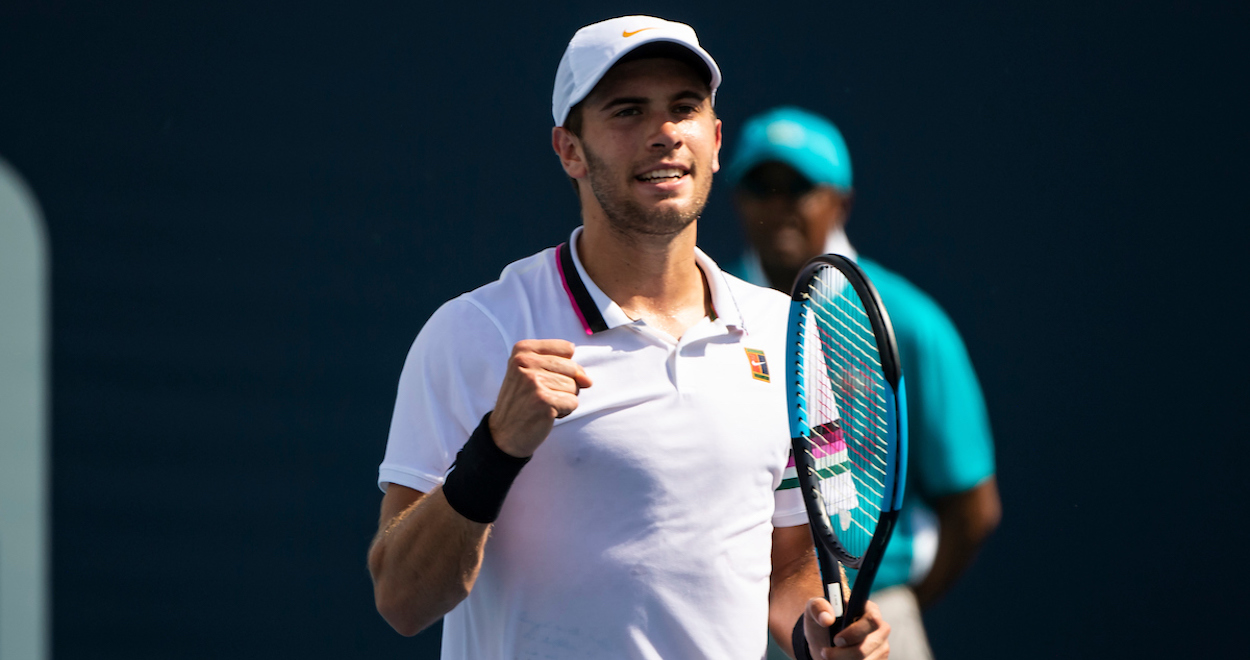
(966, 520)
(786, 604)
(955, 552)
(795, 580)
(425, 562)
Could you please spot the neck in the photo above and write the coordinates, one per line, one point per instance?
(653, 278)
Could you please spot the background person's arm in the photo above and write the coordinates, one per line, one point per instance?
(952, 448)
(965, 520)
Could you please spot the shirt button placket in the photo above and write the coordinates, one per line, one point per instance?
(675, 366)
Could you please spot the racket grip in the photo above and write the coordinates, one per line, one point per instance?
(833, 594)
(838, 624)
(837, 595)
(798, 637)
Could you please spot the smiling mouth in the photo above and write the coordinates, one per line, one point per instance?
(660, 176)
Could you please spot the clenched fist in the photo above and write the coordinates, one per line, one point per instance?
(539, 387)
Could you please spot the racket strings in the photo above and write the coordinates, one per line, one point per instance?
(859, 381)
(832, 464)
(859, 336)
(842, 379)
(837, 283)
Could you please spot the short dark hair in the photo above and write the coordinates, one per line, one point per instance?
(574, 125)
(574, 121)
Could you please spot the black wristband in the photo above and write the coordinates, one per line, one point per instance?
(798, 640)
(481, 476)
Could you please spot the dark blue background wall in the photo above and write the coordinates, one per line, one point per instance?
(253, 210)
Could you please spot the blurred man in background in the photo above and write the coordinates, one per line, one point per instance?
(791, 174)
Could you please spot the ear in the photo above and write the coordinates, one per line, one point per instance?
(716, 154)
(569, 148)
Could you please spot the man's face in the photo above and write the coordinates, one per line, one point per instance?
(651, 143)
(786, 219)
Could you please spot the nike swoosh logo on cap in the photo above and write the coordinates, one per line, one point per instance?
(630, 34)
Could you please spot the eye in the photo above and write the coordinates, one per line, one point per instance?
(685, 109)
(627, 112)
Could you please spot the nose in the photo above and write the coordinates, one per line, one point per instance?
(666, 137)
(787, 212)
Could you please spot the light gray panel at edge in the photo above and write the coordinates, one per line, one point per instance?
(25, 551)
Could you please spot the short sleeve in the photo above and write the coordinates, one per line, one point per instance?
(951, 446)
(788, 509)
(450, 380)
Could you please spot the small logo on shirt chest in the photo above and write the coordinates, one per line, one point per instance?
(759, 365)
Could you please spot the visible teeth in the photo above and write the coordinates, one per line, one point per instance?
(671, 173)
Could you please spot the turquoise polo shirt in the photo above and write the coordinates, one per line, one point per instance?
(951, 449)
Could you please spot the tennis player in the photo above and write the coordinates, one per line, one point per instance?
(791, 173)
(585, 455)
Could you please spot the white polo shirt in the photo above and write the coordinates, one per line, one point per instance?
(642, 528)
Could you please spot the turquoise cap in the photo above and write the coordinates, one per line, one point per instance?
(804, 140)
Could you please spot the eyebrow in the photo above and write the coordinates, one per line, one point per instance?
(642, 100)
(624, 100)
(689, 94)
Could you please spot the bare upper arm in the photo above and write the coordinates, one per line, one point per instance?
(977, 510)
(792, 550)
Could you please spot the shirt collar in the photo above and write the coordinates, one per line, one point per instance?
(597, 312)
(838, 243)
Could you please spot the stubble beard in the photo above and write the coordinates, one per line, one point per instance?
(630, 218)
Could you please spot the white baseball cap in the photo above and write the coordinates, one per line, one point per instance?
(595, 48)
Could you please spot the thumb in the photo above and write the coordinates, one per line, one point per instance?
(817, 618)
(581, 378)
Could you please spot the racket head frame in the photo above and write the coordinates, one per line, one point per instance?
(830, 550)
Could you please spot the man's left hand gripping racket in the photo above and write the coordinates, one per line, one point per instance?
(847, 424)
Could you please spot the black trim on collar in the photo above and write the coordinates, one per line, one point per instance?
(578, 294)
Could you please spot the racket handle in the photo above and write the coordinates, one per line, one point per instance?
(838, 623)
(836, 594)
(836, 587)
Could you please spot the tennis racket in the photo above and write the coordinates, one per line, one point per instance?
(847, 424)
